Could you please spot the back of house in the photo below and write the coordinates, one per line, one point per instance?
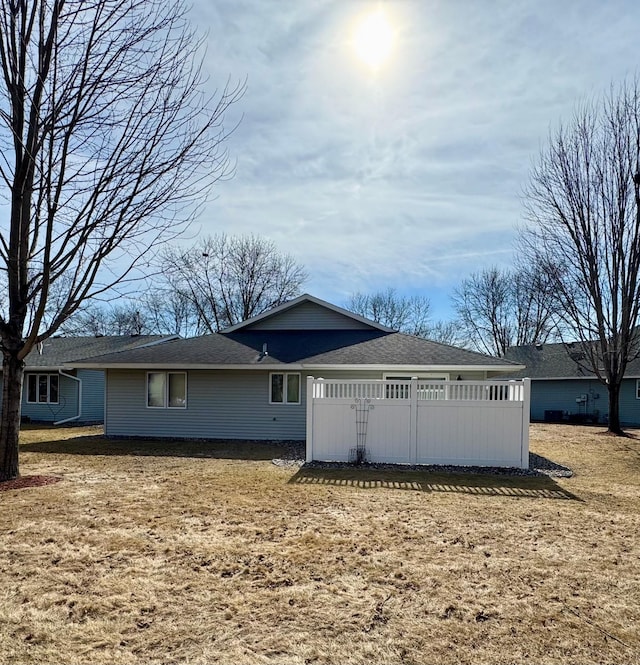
(248, 382)
(56, 391)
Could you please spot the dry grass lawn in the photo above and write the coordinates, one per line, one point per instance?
(200, 553)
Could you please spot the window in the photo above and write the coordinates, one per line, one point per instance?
(42, 388)
(166, 390)
(637, 388)
(402, 390)
(285, 389)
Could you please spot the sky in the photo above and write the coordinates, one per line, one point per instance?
(410, 174)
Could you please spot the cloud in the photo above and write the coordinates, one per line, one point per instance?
(410, 178)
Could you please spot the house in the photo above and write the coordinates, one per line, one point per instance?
(55, 390)
(248, 381)
(564, 389)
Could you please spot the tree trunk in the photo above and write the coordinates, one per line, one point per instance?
(12, 373)
(614, 408)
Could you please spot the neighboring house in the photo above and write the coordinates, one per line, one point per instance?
(248, 382)
(564, 389)
(55, 390)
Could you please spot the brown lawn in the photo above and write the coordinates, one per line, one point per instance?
(194, 553)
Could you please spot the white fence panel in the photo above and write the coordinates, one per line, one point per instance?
(469, 434)
(479, 423)
(384, 429)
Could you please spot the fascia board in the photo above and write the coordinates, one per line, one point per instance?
(303, 366)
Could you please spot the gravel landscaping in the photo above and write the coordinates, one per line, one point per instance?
(294, 456)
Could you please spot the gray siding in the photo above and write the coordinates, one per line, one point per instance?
(67, 407)
(629, 403)
(220, 404)
(562, 394)
(308, 316)
(67, 402)
(92, 395)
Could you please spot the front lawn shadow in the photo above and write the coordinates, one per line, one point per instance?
(100, 445)
(541, 487)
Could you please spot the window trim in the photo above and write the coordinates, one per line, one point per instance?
(285, 387)
(37, 376)
(637, 388)
(165, 397)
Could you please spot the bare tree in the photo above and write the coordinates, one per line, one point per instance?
(123, 319)
(498, 309)
(583, 204)
(408, 314)
(447, 332)
(107, 142)
(169, 312)
(229, 279)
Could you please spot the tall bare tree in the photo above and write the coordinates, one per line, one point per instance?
(408, 314)
(119, 319)
(169, 312)
(229, 279)
(583, 205)
(106, 142)
(498, 308)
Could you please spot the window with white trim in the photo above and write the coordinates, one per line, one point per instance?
(401, 391)
(637, 388)
(42, 388)
(167, 390)
(284, 388)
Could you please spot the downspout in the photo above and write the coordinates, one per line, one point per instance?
(75, 378)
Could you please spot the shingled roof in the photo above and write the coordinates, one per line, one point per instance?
(557, 361)
(63, 351)
(308, 348)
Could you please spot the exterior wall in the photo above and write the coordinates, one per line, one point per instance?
(562, 394)
(221, 404)
(309, 316)
(92, 395)
(629, 403)
(67, 401)
(67, 407)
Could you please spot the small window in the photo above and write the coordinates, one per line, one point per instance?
(277, 388)
(42, 388)
(53, 388)
(285, 389)
(167, 390)
(293, 388)
(155, 389)
(177, 390)
(32, 388)
(637, 388)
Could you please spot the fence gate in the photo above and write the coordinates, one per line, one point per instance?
(421, 421)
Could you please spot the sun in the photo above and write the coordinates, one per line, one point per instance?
(373, 39)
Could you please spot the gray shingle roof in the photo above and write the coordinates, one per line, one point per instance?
(327, 347)
(59, 351)
(554, 361)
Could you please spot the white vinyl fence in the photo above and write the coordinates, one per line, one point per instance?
(421, 421)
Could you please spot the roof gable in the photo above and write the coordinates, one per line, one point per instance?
(307, 313)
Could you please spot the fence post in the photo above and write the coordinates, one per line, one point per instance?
(526, 414)
(413, 422)
(309, 455)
